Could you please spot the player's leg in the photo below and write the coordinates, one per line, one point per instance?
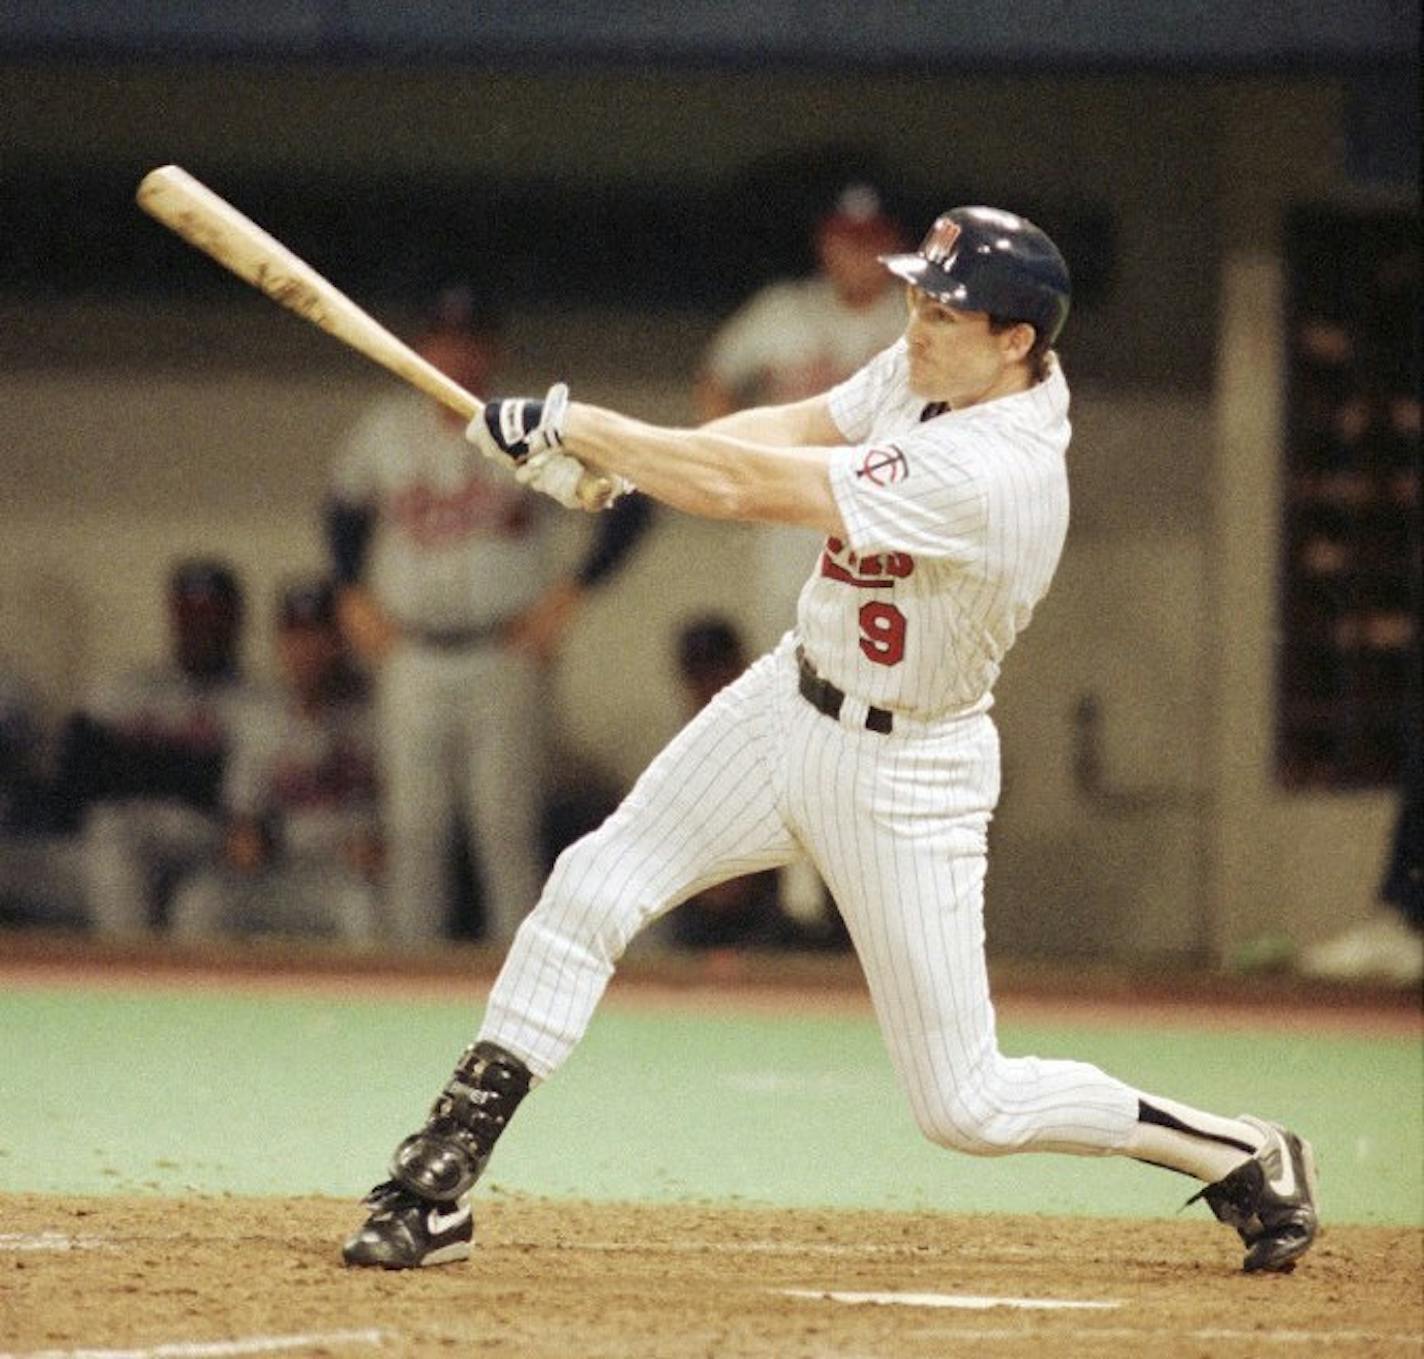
(118, 869)
(504, 781)
(202, 907)
(914, 908)
(705, 810)
(907, 866)
(351, 904)
(417, 796)
(781, 557)
(182, 841)
(313, 894)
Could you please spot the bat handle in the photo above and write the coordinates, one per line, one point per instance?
(595, 491)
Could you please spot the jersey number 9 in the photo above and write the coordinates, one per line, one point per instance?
(882, 633)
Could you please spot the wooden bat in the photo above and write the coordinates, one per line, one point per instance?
(214, 226)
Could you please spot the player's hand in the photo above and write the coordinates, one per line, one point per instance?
(368, 629)
(366, 855)
(557, 475)
(246, 846)
(516, 429)
(539, 630)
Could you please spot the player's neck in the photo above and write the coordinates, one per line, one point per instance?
(1013, 380)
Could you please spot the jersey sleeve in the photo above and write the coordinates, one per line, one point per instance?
(854, 402)
(925, 493)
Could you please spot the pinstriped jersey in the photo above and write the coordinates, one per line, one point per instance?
(955, 522)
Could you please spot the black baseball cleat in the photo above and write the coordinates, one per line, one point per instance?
(405, 1231)
(1270, 1200)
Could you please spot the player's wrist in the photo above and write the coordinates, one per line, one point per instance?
(521, 428)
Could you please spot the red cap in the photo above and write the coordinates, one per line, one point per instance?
(858, 214)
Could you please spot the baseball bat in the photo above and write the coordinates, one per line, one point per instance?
(212, 225)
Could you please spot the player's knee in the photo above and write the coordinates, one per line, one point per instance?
(965, 1123)
(584, 905)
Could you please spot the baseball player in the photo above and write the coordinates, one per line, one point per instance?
(302, 849)
(937, 475)
(446, 591)
(149, 752)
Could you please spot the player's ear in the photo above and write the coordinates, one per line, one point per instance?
(1016, 340)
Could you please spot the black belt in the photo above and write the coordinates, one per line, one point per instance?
(458, 639)
(822, 695)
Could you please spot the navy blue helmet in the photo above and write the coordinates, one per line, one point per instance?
(986, 259)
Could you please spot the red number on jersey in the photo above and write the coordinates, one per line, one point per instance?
(882, 633)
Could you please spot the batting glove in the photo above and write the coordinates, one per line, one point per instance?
(557, 475)
(514, 429)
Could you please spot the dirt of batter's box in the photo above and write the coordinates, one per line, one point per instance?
(562, 1280)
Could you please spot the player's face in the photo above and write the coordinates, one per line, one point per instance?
(955, 356)
(853, 266)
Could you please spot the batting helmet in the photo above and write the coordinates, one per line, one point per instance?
(985, 259)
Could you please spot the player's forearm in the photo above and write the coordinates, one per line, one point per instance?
(795, 424)
(705, 472)
(687, 469)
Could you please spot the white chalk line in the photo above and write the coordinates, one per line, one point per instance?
(54, 1241)
(1145, 1336)
(969, 1302)
(1201, 1335)
(217, 1349)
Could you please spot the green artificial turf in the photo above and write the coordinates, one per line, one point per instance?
(133, 1090)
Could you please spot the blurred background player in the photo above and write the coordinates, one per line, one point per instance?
(141, 765)
(302, 850)
(1388, 946)
(798, 337)
(794, 339)
(445, 592)
(40, 871)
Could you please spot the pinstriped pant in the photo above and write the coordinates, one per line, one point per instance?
(896, 825)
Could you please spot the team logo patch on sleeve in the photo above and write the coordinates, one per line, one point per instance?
(884, 466)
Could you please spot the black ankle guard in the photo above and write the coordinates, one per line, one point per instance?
(1236, 1199)
(443, 1159)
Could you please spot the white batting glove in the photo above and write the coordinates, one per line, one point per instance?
(514, 429)
(556, 475)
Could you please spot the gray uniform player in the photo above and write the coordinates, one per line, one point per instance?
(447, 591)
(937, 475)
(302, 851)
(151, 747)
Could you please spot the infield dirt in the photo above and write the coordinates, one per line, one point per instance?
(175, 1276)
